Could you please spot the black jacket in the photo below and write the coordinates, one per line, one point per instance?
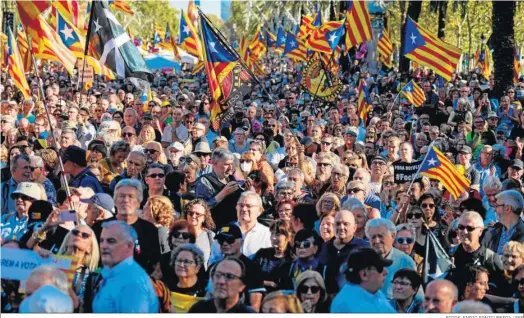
(492, 236)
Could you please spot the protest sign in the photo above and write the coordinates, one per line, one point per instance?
(405, 172)
(17, 264)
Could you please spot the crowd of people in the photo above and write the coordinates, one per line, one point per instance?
(294, 205)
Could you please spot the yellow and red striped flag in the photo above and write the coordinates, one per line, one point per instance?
(70, 10)
(326, 38)
(363, 104)
(258, 45)
(428, 50)
(414, 93)
(358, 24)
(121, 5)
(188, 37)
(385, 48)
(437, 166)
(49, 44)
(305, 26)
(15, 67)
(516, 66)
(23, 46)
(295, 48)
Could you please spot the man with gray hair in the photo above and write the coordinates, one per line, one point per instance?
(381, 234)
(509, 207)
(38, 175)
(491, 186)
(125, 286)
(256, 235)
(219, 189)
(47, 290)
(128, 197)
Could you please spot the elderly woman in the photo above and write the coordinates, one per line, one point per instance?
(512, 258)
(190, 166)
(159, 211)
(285, 190)
(269, 259)
(199, 217)
(405, 242)
(187, 261)
(284, 210)
(312, 293)
(406, 283)
(339, 177)
(81, 243)
(328, 202)
(281, 303)
(116, 163)
(182, 232)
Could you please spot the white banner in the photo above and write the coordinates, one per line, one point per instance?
(17, 264)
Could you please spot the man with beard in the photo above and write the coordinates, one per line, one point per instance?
(323, 175)
(365, 275)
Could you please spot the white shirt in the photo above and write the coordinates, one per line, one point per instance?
(181, 132)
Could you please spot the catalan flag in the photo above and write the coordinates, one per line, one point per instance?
(15, 66)
(437, 166)
(295, 48)
(121, 5)
(69, 10)
(271, 39)
(414, 93)
(358, 24)
(305, 26)
(257, 45)
(188, 38)
(516, 66)
(326, 38)
(363, 103)
(23, 46)
(281, 40)
(385, 48)
(192, 12)
(69, 34)
(228, 79)
(483, 57)
(427, 50)
(49, 43)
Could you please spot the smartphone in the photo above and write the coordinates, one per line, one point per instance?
(68, 215)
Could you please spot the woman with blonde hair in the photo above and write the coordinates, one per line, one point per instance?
(159, 210)
(147, 134)
(279, 303)
(512, 258)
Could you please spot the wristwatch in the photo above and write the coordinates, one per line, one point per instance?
(39, 237)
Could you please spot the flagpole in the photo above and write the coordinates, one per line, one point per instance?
(322, 78)
(60, 162)
(86, 47)
(420, 167)
(399, 92)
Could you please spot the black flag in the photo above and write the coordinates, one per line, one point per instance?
(108, 42)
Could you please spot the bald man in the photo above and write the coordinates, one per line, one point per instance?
(440, 297)
(335, 251)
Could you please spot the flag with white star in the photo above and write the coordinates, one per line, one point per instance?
(414, 93)
(326, 38)
(110, 44)
(68, 34)
(229, 80)
(188, 37)
(295, 48)
(437, 166)
(428, 50)
(281, 40)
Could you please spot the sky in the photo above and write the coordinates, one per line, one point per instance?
(208, 6)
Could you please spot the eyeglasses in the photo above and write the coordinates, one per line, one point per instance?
(185, 262)
(128, 134)
(323, 164)
(469, 228)
(151, 151)
(401, 283)
(326, 143)
(156, 175)
(184, 235)
(226, 239)
(189, 122)
(303, 244)
(245, 160)
(305, 289)
(285, 193)
(426, 205)
(405, 240)
(195, 215)
(227, 276)
(414, 215)
(378, 163)
(354, 190)
(291, 164)
(23, 197)
(83, 235)
(33, 168)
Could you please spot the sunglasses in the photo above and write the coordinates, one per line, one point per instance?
(414, 215)
(184, 235)
(151, 151)
(354, 190)
(128, 134)
(244, 160)
(304, 244)
(291, 164)
(187, 160)
(469, 228)
(326, 143)
(155, 175)
(323, 164)
(83, 235)
(405, 240)
(33, 168)
(227, 239)
(305, 289)
(426, 205)
(23, 197)
(520, 282)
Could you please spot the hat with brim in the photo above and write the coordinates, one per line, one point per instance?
(176, 145)
(29, 189)
(202, 148)
(230, 230)
(517, 164)
(102, 200)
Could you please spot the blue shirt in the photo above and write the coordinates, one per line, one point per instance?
(125, 288)
(86, 179)
(484, 172)
(491, 215)
(355, 299)
(8, 187)
(12, 227)
(505, 236)
(400, 260)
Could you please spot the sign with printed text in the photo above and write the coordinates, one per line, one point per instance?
(17, 264)
(87, 73)
(405, 172)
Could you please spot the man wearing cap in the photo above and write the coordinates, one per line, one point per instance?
(365, 275)
(379, 168)
(75, 163)
(174, 152)
(464, 158)
(101, 206)
(14, 224)
(20, 172)
(350, 142)
(493, 121)
(515, 172)
(229, 237)
(203, 152)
